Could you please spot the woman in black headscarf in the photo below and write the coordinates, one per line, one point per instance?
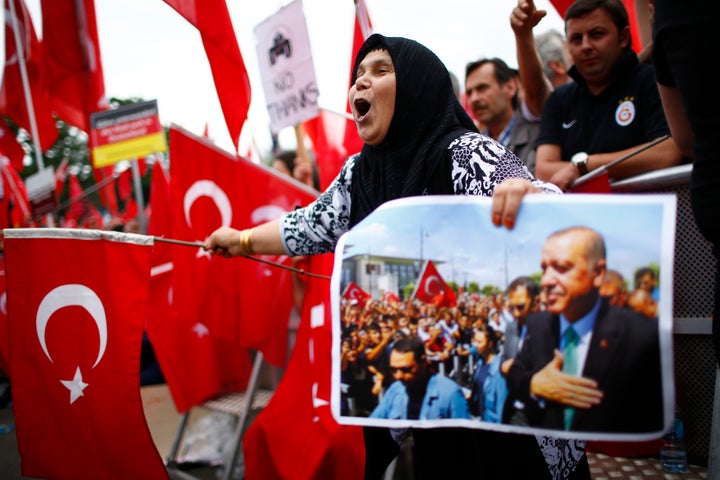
(418, 140)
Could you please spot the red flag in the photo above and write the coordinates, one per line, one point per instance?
(363, 29)
(72, 61)
(232, 83)
(596, 184)
(78, 209)
(561, 7)
(12, 92)
(77, 302)
(159, 201)
(4, 327)
(356, 294)
(295, 437)
(196, 345)
(108, 197)
(15, 204)
(10, 147)
(60, 175)
(431, 288)
(326, 133)
(391, 297)
(209, 188)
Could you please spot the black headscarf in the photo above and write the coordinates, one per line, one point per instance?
(413, 158)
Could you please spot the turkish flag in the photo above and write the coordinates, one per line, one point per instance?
(10, 147)
(12, 92)
(431, 288)
(71, 55)
(295, 436)
(232, 83)
(76, 305)
(211, 188)
(197, 346)
(354, 293)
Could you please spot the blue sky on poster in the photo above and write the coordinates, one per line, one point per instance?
(150, 51)
(459, 236)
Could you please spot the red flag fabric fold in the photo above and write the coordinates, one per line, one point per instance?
(4, 326)
(362, 30)
(12, 92)
(239, 303)
(431, 288)
(295, 437)
(76, 305)
(10, 147)
(212, 19)
(72, 60)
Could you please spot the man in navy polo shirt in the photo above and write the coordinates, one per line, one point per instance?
(612, 108)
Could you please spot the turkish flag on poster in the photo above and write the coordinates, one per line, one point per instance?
(12, 92)
(295, 436)
(71, 55)
(76, 305)
(354, 293)
(232, 83)
(431, 288)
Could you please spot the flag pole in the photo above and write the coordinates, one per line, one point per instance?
(299, 271)
(87, 192)
(604, 168)
(26, 87)
(139, 195)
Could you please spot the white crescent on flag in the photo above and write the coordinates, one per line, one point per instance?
(433, 285)
(208, 188)
(67, 295)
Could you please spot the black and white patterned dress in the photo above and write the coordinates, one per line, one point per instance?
(479, 164)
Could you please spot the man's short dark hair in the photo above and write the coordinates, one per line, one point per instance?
(530, 285)
(615, 8)
(410, 344)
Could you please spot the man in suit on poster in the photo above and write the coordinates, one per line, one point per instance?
(586, 365)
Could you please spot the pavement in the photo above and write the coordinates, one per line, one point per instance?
(163, 421)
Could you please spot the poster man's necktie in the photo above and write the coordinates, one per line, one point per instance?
(570, 365)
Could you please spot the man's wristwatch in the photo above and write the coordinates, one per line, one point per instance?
(580, 161)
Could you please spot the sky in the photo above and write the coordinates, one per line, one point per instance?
(149, 51)
(458, 235)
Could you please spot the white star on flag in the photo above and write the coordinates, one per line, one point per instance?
(76, 386)
(201, 329)
(202, 252)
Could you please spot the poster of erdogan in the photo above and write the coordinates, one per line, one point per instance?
(561, 325)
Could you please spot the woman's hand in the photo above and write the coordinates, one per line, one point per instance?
(507, 198)
(224, 241)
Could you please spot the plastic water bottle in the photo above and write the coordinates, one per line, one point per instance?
(673, 456)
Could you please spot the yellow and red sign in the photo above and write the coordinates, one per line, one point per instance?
(125, 133)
